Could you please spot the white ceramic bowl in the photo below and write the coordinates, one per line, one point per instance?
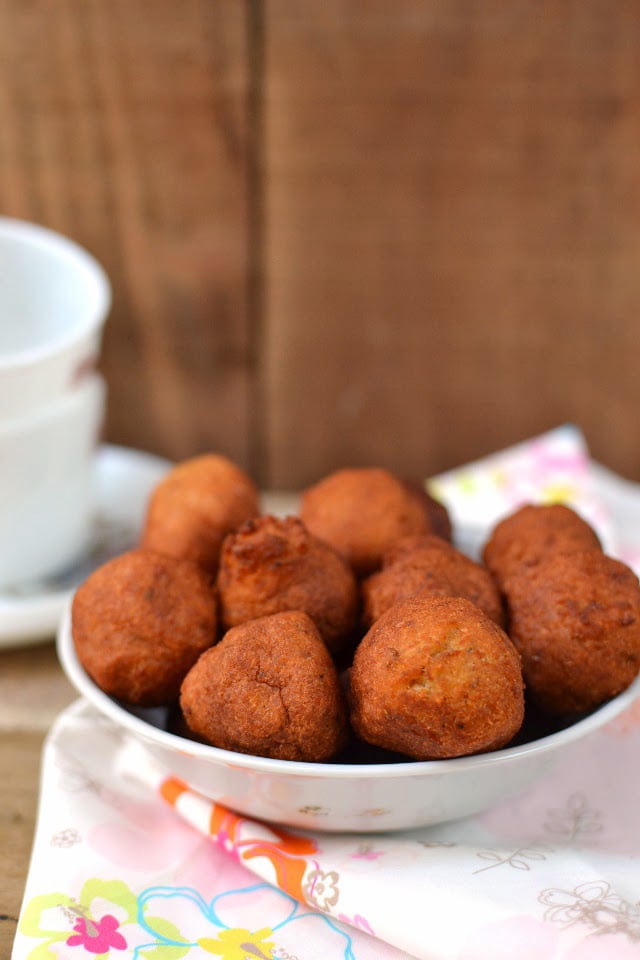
(54, 298)
(334, 796)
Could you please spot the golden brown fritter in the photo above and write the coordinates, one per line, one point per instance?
(575, 618)
(361, 512)
(140, 622)
(406, 546)
(433, 678)
(269, 688)
(194, 507)
(270, 565)
(439, 519)
(532, 533)
(429, 566)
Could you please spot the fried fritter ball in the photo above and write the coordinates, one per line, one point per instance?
(405, 547)
(140, 622)
(271, 564)
(575, 618)
(434, 677)
(361, 512)
(193, 508)
(268, 688)
(429, 566)
(534, 532)
(439, 519)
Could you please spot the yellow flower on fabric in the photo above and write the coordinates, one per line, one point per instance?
(558, 493)
(500, 477)
(238, 944)
(467, 483)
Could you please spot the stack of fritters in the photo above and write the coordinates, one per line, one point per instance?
(573, 612)
(246, 620)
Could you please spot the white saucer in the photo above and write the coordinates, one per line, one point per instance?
(123, 481)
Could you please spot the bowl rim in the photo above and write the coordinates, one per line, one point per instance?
(336, 771)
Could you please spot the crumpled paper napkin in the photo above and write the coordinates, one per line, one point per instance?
(139, 866)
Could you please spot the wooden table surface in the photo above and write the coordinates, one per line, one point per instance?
(33, 690)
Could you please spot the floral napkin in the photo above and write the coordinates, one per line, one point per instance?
(552, 468)
(129, 863)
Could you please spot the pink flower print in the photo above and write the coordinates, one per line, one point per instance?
(366, 852)
(124, 839)
(97, 936)
(595, 947)
(357, 921)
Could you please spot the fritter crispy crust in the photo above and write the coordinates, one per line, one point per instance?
(361, 512)
(576, 621)
(140, 622)
(193, 508)
(401, 549)
(439, 519)
(429, 566)
(268, 688)
(436, 678)
(270, 565)
(534, 532)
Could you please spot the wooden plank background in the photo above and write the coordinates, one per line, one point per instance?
(343, 232)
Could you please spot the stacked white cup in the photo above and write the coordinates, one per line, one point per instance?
(54, 299)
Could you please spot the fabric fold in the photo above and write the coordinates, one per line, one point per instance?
(554, 871)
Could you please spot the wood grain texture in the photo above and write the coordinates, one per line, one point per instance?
(451, 230)
(19, 771)
(345, 232)
(124, 124)
(33, 688)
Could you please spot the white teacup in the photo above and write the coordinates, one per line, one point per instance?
(54, 299)
(46, 466)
